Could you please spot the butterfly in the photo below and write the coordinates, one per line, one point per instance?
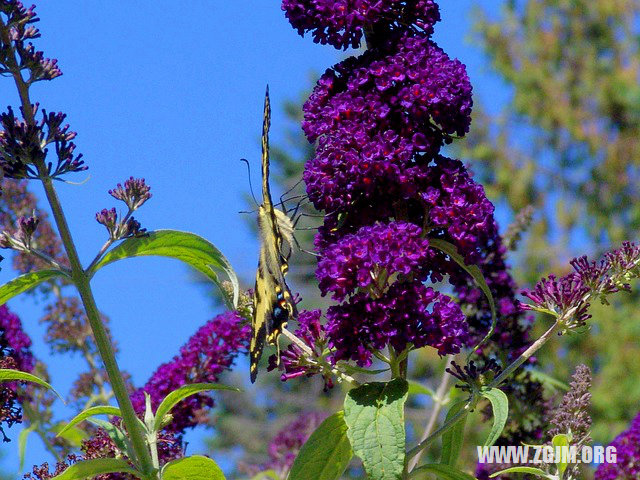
(273, 304)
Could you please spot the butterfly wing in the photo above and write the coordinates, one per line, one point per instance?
(273, 303)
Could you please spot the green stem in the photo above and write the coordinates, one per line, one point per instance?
(528, 353)
(103, 343)
(81, 281)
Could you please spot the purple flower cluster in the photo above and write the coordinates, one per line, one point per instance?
(286, 444)
(368, 258)
(16, 340)
(343, 23)
(628, 456)
(210, 351)
(568, 297)
(407, 313)
(295, 362)
(373, 115)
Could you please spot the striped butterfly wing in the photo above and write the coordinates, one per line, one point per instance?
(273, 303)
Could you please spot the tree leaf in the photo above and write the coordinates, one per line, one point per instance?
(550, 382)
(8, 375)
(374, 413)
(326, 454)
(453, 439)
(443, 472)
(500, 406)
(90, 468)
(180, 394)
(26, 282)
(195, 467)
(531, 470)
(184, 246)
(416, 388)
(476, 273)
(90, 412)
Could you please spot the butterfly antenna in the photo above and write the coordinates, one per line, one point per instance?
(250, 184)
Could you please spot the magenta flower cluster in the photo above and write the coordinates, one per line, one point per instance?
(378, 122)
(343, 23)
(356, 261)
(627, 446)
(373, 114)
(210, 351)
(407, 313)
(569, 296)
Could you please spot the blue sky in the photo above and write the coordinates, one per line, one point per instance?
(174, 94)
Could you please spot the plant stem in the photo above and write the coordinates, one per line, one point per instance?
(437, 408)
(528, 353)
(81, 281)
(99, 332)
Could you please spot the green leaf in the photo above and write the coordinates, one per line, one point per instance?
(500, 406)
(26, 282)
(561, 440)
(180, 394)
(192, 468)
(9, 375)
(374, 413)
(477, 276)
(184, 246)
(531, 470)
(22, 443)
(453, 439)
(416, 388)
(326, 454)
(443, 472)
(90, 412)
(98, 466)
(73, 435)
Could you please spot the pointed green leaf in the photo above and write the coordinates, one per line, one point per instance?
(326, 454)
(374, 413)
(531, 470)
(73, 435)
(181, 393)
(184, 246)
(500, 406)
(475, 273)
(453, 439)
(9, 375)
(90, 412)
(22, 443)
(416, 388)
(192, 468)
(443, 472)
(26, 282)
(561, 440)
(98, 466)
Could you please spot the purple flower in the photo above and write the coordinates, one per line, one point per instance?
(284, 447)
(294, 361)
(210, 351)
(134, 193)
(408, 313)
(16, 340)
(371, 122)
(627, 446)
(371, 256)
(342, 23)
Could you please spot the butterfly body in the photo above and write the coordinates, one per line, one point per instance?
(273, 303)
